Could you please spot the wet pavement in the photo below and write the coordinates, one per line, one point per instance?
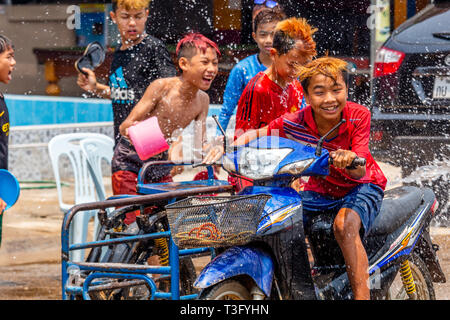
(30, 252)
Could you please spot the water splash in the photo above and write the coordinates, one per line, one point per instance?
(436, 176)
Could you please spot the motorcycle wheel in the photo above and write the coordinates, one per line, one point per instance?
(226, 290)
(422, 280)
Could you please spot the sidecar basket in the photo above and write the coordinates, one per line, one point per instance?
(205, 221)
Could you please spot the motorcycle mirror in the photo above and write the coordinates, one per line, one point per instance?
(320, 143)
(223, 133)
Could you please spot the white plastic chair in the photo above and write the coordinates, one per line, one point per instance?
(69, 145)
(95, 150)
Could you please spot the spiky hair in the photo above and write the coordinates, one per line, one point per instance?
(187, 47)
(327, 66)
(130, 4)
(289, 31)
(5, 44)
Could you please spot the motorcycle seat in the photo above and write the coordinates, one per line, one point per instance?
(398, 206)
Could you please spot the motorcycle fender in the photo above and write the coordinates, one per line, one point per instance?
(235, 261)
(427, 251)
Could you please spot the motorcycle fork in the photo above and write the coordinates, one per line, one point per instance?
(408, 280)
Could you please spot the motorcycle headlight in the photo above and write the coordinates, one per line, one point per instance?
(296, 167)
(261, 163)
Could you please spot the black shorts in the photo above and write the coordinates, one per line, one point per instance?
(125, 158)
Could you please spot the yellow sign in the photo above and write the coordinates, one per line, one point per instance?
(383, 21)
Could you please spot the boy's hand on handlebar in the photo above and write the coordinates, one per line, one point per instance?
(342, 158)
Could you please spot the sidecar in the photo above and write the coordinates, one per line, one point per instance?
(116, 266)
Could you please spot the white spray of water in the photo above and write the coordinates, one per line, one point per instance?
(436, 176)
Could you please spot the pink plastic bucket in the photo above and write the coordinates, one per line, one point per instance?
(147, 138)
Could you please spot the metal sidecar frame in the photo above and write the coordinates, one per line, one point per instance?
(134, 274)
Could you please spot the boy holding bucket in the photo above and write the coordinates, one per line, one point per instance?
(176, 101)
(140, 59)
(7, 64)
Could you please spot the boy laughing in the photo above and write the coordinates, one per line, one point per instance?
(176, 101)
(353, 194)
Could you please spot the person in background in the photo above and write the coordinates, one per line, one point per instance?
(139, 61)
(352, 194)
(177, 101)
(7, 66)
(263, 29)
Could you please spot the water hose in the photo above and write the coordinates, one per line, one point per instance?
(41, 184)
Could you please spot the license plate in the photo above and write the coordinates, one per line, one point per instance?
(441, 89)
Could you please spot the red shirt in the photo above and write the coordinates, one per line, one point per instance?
(263, 101)
(353, 135)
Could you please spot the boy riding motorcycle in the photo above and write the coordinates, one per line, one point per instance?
(353, 194)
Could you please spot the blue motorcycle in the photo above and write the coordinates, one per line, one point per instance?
(402, 258)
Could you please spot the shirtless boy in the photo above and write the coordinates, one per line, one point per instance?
(176, 101)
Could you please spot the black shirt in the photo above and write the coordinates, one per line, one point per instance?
(132, 70)
(4, 133)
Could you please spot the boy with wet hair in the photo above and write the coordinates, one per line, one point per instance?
(7, 66)
(263, 30)
(353, 195)
(276, 91)
(140, 59)
(176, 101)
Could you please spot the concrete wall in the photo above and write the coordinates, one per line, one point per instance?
(28, 149)
(36, 26)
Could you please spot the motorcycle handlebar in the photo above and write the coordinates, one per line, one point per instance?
(356, 162)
